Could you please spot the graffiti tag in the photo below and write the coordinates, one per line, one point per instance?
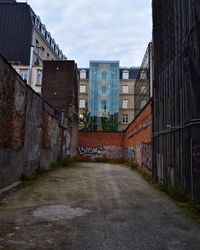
(90, 151)
(130, 154)
(147, 155)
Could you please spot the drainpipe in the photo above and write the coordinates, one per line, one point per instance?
(62, 131)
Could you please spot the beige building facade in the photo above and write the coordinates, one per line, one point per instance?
(25, 41)
(43, 48)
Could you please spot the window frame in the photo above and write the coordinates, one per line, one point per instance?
(83, 74)
(82, 89)
(125, 74)
(125, 118)
(123, 89)
(82, 103)
(39, 77)
(23, 73)
(125, 103)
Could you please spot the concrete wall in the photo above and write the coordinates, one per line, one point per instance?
(134, 143)
(31, 135)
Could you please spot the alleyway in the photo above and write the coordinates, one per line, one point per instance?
(94, 207)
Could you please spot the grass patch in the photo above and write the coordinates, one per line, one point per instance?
(175, 192)
(192, 209)
(67, 162)
(183, 199)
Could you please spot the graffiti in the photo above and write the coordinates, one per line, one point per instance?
(147, 155)
(138, 154)
(112, 152)
(109, 152)
(142, 153)
(66, 142)
(130, 154)
(196, 153)
(90, 151)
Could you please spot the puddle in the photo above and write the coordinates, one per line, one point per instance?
(59, 212)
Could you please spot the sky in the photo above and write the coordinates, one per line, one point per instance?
(98, 29)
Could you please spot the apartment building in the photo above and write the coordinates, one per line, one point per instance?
(107, 91)
(25, 41)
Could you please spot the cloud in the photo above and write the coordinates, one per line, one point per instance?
(90, 29)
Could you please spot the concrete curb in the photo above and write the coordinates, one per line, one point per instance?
(9, 187)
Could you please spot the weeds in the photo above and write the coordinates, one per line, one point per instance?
(61, 163)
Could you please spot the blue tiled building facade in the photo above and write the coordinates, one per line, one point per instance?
(104, 91)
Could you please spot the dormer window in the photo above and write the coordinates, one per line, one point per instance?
(48, 37)
(43, 30)
(37, 22)
(52, 43)
(125, 74)
(143, 75)
(60, 54)
(56, 49)
(83, 74)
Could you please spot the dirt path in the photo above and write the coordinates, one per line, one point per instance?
(94, 207)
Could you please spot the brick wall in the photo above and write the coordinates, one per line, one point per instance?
(92, 145)
(31, 135)
(138, 138)
(133, 144)
(60, 85)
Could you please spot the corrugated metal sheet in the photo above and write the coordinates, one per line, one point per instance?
(176, 143)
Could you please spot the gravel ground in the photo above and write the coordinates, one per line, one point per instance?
(96, 207)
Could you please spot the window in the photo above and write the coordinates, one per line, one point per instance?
(125, 74)
(81, 117)
(103, 89)
(82, 103)
(143, 103)
(37, 46)
(39, 77)
(83, 74)
(82, 89)
(125, 118)
(56, 49)
(24, 74)
(125, 89)
(124, 104)
(104, 75)
(37, 22)
(48, 37)
(43, 29)
(52, 43)
(143, 75)
(48, 56)
(103, 104)
(42, 52)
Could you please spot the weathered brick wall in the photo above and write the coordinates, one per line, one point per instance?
(92, 145)
(60, 85)
(12, 108)
(138, 138)
(133, 144)
(30, 133)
